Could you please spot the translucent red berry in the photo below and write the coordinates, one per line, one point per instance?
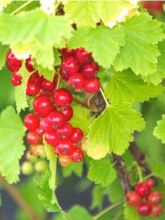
(77, 155)
(65, 131)
(133, 199)
(33, 138)
(70, 65)
(55, 119)
(31, 121)
(29, 65)
(89, 69)
(42, 105)
(143, 189)
(157, 210)
(150, 182)
(92, 85)
(65, 147)
(82, 55)
(16, 79)
(67, 111)
(144, 209)
(77, 135)
(154, 198)
(62, 97)
(13, 64)
(48, 85)
(51, 138)
(77, 81)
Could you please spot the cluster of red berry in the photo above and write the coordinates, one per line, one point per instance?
(147, 201)
(154, 7)
(52, 105)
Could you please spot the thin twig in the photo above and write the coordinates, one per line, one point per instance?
(19, 200)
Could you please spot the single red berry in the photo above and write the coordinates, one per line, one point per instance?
(65, 75)
(133, 199)
(31, 121)
(77, 135)
(16, 79)
(65, 131)
(33, 138)
(48, 85)
(51, 138)
(55, 119)
(62, 97)
(42, 105)
(67, 111)
(70, 65)
(40, 131)
(64, 147)
(82, 55)
(154, 198)
(35, 77)
(157, 210)
(143, 189)
(150, 182)
(32, 89)
(13, 64)
(77, 81)
(89, 69)
(144, 209)
(64, 160)
(29, 65)
(92, 85)
(77, 155)
(47, 93)
(66, 53)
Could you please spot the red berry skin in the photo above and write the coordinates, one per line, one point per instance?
(29, 65)
(65, 131)
(65, 75)
(31, 121)
(133, 199)
(77, 81)
(144, 209)
(92, 85)
(42, 105)
(40, 131)
(89, 69)
(77, 135)
(77, 155)
(55, 119)
(70, 65)
(64, 147)
(66, 53)
(13, 64)
(16, 79)
(143, 189)
(33, 138)
(157, 210)
(82, 56)
(48, 85)
(51, 138)
(67, 111)
(150, 182)
(32, 89)
(154, 198)
(62, 97)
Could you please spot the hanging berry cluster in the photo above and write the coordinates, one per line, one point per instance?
(147, 201)
(52, 105)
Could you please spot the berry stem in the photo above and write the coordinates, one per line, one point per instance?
(21, 7)
(105, 99)
(139, 171)
(81, 103)
(19, 200)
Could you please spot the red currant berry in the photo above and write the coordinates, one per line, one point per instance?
(77, 135)
(32, 89)
(33, 138)
(51, 138)
(144, 209)
(67, 111)
(31, 122)
(13, 64)
(65, 75)
(65, 131)
(89, 69)
(62, 97)
(77, 155)
(92, 85)
(48, 85)
(77, 81)
(64, 160)
(154, 198)
(143, 189)
(42, 105)
(66, 53)
(35, 77)
(65, 147)
(150, 182)
(40, 131)
(29, 65)
(70, 65)
(16, 79)
(133, 199)
(82, 55)
(55, 119)
(157, 210)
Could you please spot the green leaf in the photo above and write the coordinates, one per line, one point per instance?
(115, 192)
(101, 172)
(4, 3)
(20, 91)
(79, 213)
(77, 169)
(159, 130)
(45, 194)
(81, 117)
(131, 213)
(100, 39)
(11, 147)
(3, 51)
(158, 169)
(140, 52)
(126, 87)
(112, 130)
(97, 197)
